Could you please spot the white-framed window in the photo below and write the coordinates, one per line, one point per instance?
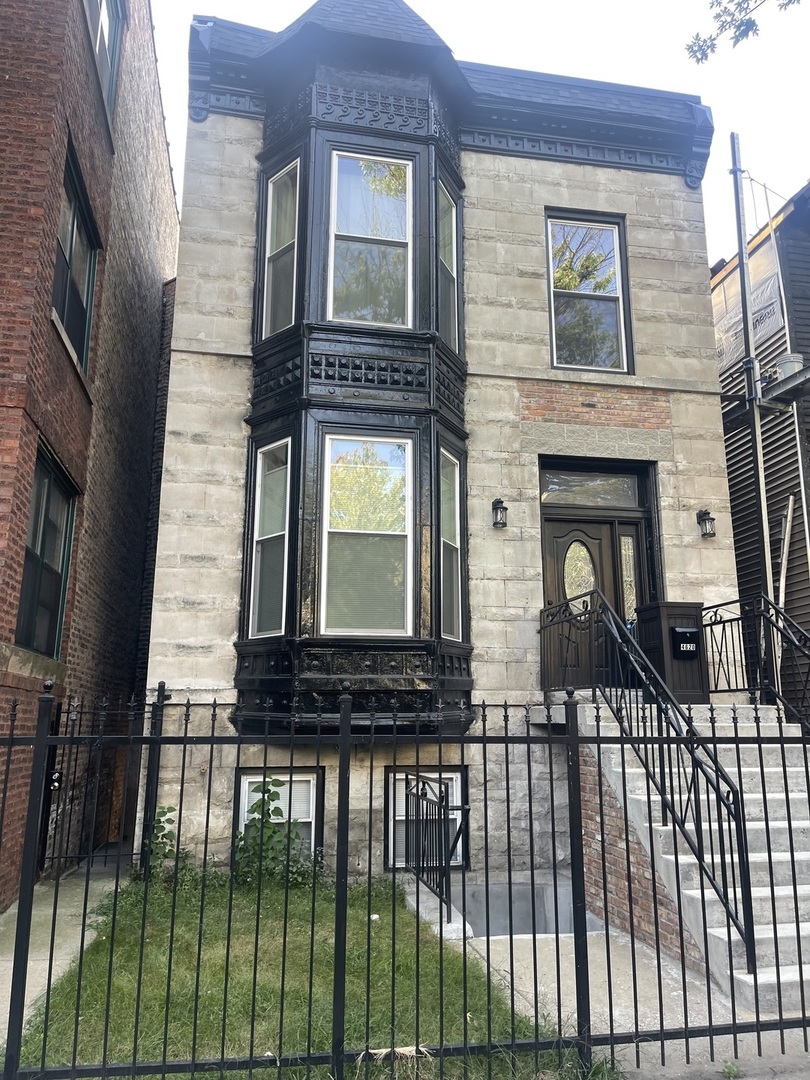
(270, 539)
(448, 283)
(434, 780)
(370, 241)
(367, 542)
(450, 527)
(291, 796)
(105, 19)
(588, 324)
(280, 250)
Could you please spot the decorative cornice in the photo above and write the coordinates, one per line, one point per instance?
(231, 102)
(371, 109)
(583, 153)
(283, 376)
(284, 120)
(372, 372)
(449, 386)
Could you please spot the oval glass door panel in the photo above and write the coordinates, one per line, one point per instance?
(579, 574)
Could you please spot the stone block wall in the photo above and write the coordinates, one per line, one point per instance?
(518, 407)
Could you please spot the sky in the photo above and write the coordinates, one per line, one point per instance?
(758, 90)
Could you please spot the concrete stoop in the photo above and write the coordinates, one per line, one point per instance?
(773, 777)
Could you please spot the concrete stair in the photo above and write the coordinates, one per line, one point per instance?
(765, 759)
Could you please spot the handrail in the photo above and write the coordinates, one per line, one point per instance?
(429, 843)
(586, 645)
(754, 646)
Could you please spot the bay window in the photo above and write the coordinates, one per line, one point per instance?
(448, 289)
(280, 250)
(450, 547)
(588, 320)
(368, 547)
(270, 532)
(370, 241)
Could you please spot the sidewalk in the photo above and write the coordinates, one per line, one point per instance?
(55, 942)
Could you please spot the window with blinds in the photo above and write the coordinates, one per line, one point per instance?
(293, 799)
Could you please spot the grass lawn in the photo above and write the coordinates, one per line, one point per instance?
(205, 971)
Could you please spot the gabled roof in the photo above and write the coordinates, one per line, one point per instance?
(391, 20)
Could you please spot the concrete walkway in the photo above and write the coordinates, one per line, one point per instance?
(56, 933)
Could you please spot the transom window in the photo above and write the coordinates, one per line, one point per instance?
(270, 531)
(280, 264)
(451, 547)
(587, 317)
(74, 271)
(47, 553)
(370, 241)
(367, 536)
(448, 288)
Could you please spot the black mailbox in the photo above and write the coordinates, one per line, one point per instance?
(685, 642)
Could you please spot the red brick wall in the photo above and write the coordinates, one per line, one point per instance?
(618, 869)
(99, 426)
(594, 406)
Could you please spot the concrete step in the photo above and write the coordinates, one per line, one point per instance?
(784, 902)
(777, 837)
(765, 868)
(784, 990)
(752, 781)
(789, 941)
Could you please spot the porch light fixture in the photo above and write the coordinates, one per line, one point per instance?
(706, 523)
(498, 514)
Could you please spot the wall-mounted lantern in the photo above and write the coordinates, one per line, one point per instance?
(498, 514)
(706, 523)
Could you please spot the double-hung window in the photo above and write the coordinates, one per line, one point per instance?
(270, 539)
(280, 251)
(451, 547)
(289, 797)
(588, 320)
(74, 271)
(448, 287)
(47, 554)
(106, 21)
(368, 547)
(370, 241)
(436, 784)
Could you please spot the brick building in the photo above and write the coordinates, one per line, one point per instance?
(88, 232)
(410, 287)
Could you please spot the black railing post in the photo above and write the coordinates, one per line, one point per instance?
(150, 796)
(341, 887)
(580, 915)
(28, 880)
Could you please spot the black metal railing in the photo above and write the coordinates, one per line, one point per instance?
(433, 831)
(754, 647)
(585, 645)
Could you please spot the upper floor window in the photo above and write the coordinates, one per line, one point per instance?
(588, 319)
(448, 288)
(270, 532)
(280, 265)
(47, 553)
(367, 536)
(451, 547)
(106, 21)
(74, 272)
(370, 241)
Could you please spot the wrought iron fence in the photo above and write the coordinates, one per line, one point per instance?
(264, 917)
(754, 647)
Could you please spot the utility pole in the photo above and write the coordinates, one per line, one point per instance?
(753, 383)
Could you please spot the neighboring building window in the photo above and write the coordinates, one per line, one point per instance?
(106, 21)
(588, 316)
(367, 536)
(370, 255)
(446, 781)
(448, 288)
(74, 273)
(279, 275)
(290, 796)
(47, 552)
(270, 532)
(451, 547)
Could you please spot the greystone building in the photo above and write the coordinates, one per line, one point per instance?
(410, 288)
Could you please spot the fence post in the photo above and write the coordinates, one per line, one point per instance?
(152, 777)
(580, 915)
(28, 879)
(341, 886)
